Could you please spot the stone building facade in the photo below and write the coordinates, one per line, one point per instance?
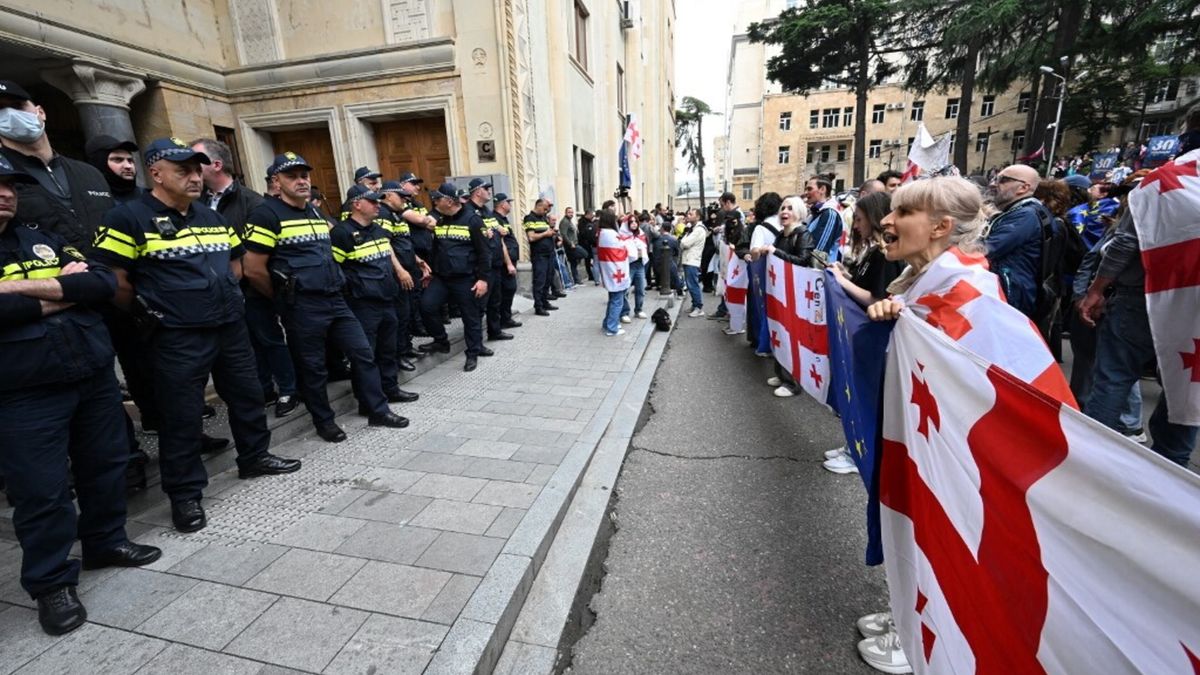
(532, 92)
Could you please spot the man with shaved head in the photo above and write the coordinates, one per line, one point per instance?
(873, 185)
(1014, 241)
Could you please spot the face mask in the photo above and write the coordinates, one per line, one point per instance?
(20, 126)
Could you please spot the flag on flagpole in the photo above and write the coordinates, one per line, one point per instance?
(1035, 155)
(633, 137)
(926, 154)
(1166, 213)
(799, 339)
(1021, 536)
(626, 176)
(758, 301)
(737, 285)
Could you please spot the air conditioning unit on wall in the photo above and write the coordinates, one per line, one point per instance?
(894, 106)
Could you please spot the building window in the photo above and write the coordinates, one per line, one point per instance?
(1158, 92)
(814, 117)
(1023, 101)
(951, 144)
(839, 185)
(587, 181)
(1018, 141)
(785, 154)
(875, 149)
(581, 35)
(847, 117)
(620, 90)
(808, 155)
(785, 121)
(981, 141)
(841, 153)
(747, 191)
(951, 108)
(825, 154)
(988, 107)
(829, 118)
(917, 113)
(910, 141)
(877, 113)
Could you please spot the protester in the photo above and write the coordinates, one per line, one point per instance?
(639, 259)
(759, 235)
(587, 244)
(825, 223)
(613, 258)
(115, 161)
(692, 246)
(866, 272)
(795, 245)
(1014, 240)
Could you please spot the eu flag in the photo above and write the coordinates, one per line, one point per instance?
(758, 305)
(626, 177)
(857, 361)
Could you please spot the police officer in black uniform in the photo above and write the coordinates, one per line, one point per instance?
(403, 221)
(541, 235)
(460, 270)
(374, 277)
(512, 252)
(59, 405)
(481, 198)
(178, 268)
(422, 239)
(289, 257)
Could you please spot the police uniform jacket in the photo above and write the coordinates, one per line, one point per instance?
(365, 254)
(460, 246)
(496, 243)
(510, 239)
(402, 240)
(297, 239)
(70, 198)
(64, 347)
(422, 238)
(544, 247)
(178, 264)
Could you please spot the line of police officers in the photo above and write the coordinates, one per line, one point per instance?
(167, 271)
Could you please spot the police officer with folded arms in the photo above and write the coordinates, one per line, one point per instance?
(403, 219)
(178, 268)
(60, 407)
(289, 257)
(481, 198)
(512, 253)
(541, 234)
(421, 224)
(374, 278)
(461, 265)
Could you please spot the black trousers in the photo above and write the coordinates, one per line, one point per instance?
(543, 278)
(495, 301)
(458, 289)
(312, 321)
(183, 360)
(404, 314)
(378, 320)
(508, 291)
(48, 431)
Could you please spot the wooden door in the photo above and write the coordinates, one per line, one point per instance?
(314, 146)
(418, 145)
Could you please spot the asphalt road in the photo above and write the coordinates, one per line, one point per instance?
(735, 552)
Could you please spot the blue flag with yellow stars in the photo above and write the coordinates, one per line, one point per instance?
(857, 361)
(758, 305)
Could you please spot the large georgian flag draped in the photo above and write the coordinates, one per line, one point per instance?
(1021, 536)
(737, 285)
(613, 259)
(1166, 212)
(796, 324)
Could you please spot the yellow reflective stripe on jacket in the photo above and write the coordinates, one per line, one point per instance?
(536, 225)
(376, 248)
(452, 232)
(339, 256)
(185, 239)
(305, 229)
(116, 242)
(22, 270)
(260, 235)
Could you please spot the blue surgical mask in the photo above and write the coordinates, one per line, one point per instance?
(20, 126)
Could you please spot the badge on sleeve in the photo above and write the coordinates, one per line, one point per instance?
(44, 252)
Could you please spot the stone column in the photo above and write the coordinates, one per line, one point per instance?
(102, 95)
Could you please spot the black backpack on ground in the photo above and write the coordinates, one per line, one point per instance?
(661, 319)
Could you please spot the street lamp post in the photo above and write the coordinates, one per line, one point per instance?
(1062, 95)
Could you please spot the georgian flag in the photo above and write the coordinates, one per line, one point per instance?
(1021, 536)
(737, 286)
(1166, 212)
(796, 324)
(613, 258)
(926, 154)
(633, 137)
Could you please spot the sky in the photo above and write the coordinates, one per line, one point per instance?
(703, 29)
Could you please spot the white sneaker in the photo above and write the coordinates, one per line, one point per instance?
(831, 454)
(841, 464)
(883, 653)
(774, 381)
(696, 313)
(730, 331)
(641, 315)
(1137, 435)
(876, 624)
(784, 392)
(626, 319)
(620, 331)
(764, 355)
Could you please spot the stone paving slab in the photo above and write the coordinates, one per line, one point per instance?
(397, 551)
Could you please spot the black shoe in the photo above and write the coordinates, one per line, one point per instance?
(59, 611)
(149, 427)
(269, 465)
(542, 312)
(285, 406)
(501, 336)
(388, 419)
(511, 324)
(436, 347)
(125, 554)
(208, 413)
(559, 295)
(550, 307)
(270, 397)
(406, 366)
(188, 516)
(471, 363)
(484, 351)
(445, 321)
(331, 433)
(209, 445)
(401, 396)
(410, 353)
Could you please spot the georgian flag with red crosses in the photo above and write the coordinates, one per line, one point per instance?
(797, 324)
(1166, 212)
(1021, 536)
(737, 287)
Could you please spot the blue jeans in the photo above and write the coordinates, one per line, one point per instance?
(692, 275)
(1123, 349)
(1131, 419)
(637, 284)
(612, 315)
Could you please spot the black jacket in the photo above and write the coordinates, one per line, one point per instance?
(796, 246)
(90, 199)
(235, 205)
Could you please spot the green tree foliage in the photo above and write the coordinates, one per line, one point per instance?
(689, 135)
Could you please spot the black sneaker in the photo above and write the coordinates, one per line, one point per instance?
(436, 346)
(59, 611)
(209, 413)
(270, 397)
(285, 406)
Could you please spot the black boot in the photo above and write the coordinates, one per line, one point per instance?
(59, 611)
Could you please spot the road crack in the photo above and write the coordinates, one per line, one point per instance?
(768, 458)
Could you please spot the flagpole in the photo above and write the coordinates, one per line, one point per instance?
(1062, 95)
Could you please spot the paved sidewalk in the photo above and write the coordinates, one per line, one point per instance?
(397, 551)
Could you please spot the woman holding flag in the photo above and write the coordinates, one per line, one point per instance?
(612, 257)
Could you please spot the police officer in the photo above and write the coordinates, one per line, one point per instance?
(177, 266)
(461, 264)
(59, 405)
(289, 258)
(512, 253)
(480, 200)
(404, 219)
(371, 180)
(541, 235)
(374, 278)
(422, 239)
